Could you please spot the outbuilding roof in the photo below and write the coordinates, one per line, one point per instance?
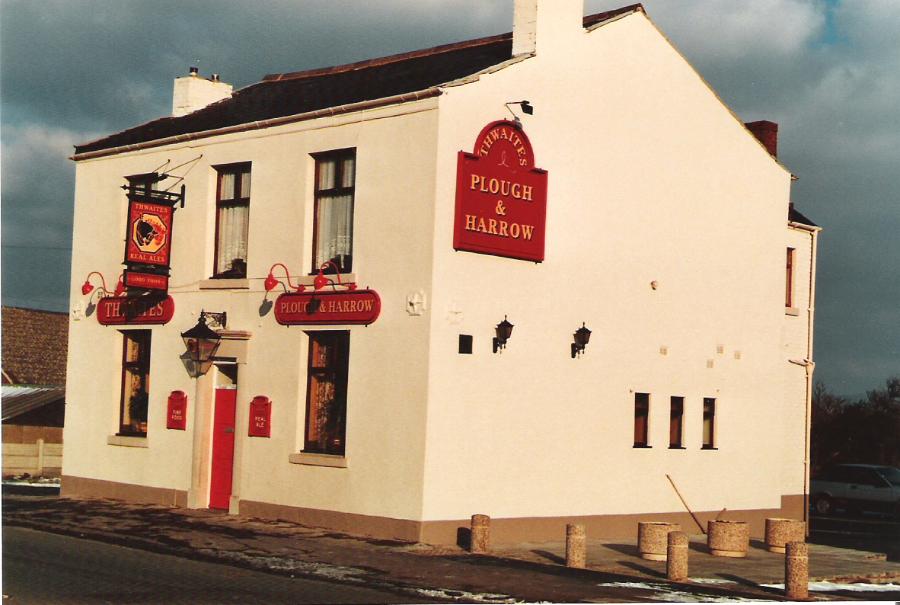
(288, 94)
(21, 400)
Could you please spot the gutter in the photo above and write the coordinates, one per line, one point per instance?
(407, 97)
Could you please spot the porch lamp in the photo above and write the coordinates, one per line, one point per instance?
(202, 342)
(504, 331)
(582, 337)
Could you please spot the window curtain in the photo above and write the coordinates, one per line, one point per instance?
(232, 244)
(335, 214)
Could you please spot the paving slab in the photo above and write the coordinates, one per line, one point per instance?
(529, 572)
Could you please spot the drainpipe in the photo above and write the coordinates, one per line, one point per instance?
(808, 363)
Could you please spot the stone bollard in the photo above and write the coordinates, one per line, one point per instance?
(575, 546)
(796, 571)
(481, 534)
(652, 539)
(677, 556)
(781, 531)
(728, 538)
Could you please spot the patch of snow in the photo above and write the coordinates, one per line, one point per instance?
(668, 594)
(42, 482)
(849, 587)
(710, 581)
(462, 595)
(332, 572)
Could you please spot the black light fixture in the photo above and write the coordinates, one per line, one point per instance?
(504, 331)
(201, 343)
(526, 107)
(582, 337)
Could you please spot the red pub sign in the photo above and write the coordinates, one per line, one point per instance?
(149, 236)
(133, 310)
(501, 198)
(352, 307)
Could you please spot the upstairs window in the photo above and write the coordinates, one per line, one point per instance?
(641, 419)
(676, 422)
(232, 221)
(709, 423)
(789, 282)
(135, 382)
(333, 225)
(326, 392)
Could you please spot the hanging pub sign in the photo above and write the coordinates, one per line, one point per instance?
(501, 198)
(148, 235)
(135, 310)
(350, 307)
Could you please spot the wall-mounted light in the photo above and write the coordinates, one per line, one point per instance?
(272, 282)
(319, 282)
(201, 342)
(525, 106)
(582, 337)
(322, 280)
(504, 331)
(87, 287)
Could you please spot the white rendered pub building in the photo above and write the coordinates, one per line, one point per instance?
(545, 276)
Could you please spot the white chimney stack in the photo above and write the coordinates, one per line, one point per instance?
(541, 23)
(192, 92)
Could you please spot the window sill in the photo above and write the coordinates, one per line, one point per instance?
(225, 284)
(127, 441)
(709, 447)
(677, 447)
(792, 311)
(311, 459)
(639, 446)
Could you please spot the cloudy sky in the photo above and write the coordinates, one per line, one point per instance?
(828, 71)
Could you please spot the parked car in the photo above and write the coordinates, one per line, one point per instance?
(857, 488)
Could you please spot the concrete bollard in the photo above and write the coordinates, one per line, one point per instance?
(576, 546)
(796, 571)
(481, 534)
(677, 556)
(781, 531)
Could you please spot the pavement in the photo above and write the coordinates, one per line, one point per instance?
(523, 572)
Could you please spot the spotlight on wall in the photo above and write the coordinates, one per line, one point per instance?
(525, 106)
(582, 337)
(504, 331)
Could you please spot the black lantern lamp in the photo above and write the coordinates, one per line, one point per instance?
(202, 342)
(582, 337)
(504, 331)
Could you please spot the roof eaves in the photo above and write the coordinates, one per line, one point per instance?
(592, 22)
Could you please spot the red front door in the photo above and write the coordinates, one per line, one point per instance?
(222, 449)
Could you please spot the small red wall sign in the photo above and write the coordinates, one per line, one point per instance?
(176, 412)
(149, 235)
(145, 281)
(135, 310)
(501, 198)
(352, 307)
(260, 417)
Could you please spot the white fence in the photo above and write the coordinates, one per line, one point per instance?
(35, 459)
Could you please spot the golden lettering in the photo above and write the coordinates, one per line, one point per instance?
(526, 192)
(470, 222)
(527, 230)
(476, 179)
(492, 226)
(514, 230)
(503, 231)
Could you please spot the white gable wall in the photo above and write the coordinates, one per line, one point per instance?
(651, 178)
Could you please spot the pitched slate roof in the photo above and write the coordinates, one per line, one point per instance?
(21, 400)
(795, 216)
(288, 94)
(34, 346)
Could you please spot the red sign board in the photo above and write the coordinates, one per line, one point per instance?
(260, 417)
(176, 412)
(501, 198)
(134, 310)
(146, 281)
(354, 307)
(149, 235)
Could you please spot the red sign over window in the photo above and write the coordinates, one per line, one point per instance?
(260, 417)
(501, 198)
(176, 412)
(132, 310)
(149, 235)
(352, 307)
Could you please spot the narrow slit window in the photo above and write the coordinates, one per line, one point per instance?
(709, 423)
(641, 419)
(676, 422)
(789, 279)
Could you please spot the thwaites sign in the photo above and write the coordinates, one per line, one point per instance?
(148, 238)
(501, 198)
(132, 310)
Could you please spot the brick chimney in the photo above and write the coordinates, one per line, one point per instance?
(767, 133)
(539, 24)
(193, 92)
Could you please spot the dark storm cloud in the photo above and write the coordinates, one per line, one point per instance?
(827, 70)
